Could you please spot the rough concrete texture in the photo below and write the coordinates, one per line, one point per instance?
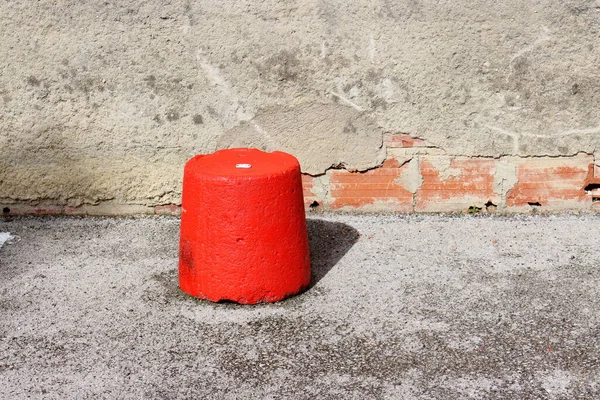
(104, 101)
(418, 307)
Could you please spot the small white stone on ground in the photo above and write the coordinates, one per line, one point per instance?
(5, 237)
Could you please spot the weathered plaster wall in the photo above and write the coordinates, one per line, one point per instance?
(102, 102)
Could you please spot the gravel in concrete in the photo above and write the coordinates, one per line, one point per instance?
(401, 307)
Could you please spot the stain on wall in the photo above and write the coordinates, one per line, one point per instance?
(322, 136)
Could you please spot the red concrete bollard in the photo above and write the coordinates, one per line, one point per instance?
(243, 227)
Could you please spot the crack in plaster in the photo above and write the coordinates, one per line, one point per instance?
(321, 188)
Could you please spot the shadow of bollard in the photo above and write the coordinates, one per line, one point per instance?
(329, 242)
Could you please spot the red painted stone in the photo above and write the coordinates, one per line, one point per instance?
(243, 230)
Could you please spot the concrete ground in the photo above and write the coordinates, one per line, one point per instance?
(402, 307)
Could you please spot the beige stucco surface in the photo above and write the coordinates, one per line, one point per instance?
(106, 100)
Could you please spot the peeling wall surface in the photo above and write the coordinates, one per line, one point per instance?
(102, 102)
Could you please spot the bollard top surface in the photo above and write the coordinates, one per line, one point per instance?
(243, 163)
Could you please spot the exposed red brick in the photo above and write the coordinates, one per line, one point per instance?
(470, 182)
(108, 208)
(403, 140)
(551, 182)
(380, 185)
(71, 210)
(26, 209)
(168, 209)
(308, 189)
(50, 210)
(74, 211)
